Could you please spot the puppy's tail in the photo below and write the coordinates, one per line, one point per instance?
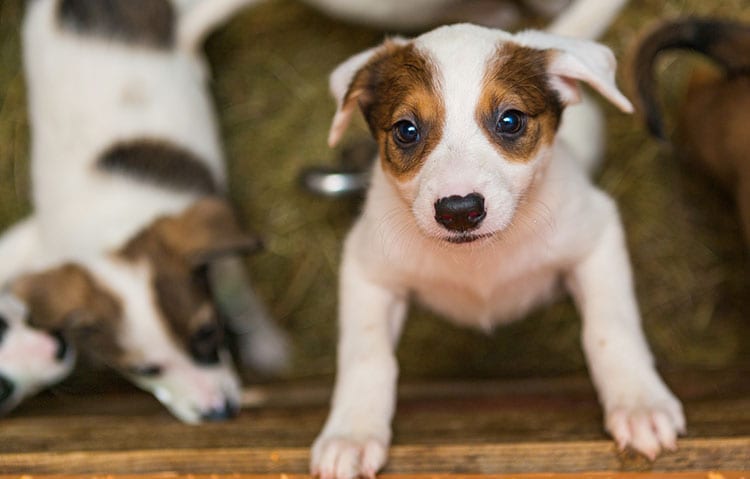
(725, 42)
(198, 18)
(587, 19)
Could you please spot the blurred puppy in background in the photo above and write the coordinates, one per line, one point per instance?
(713, 118)
(131, 236)
(421, 14)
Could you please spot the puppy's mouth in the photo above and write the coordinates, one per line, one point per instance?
(464, 238)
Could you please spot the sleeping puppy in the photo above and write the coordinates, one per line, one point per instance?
(481, 208)
(127, 171)
(571, 15)
(30, 359)
(724, 97)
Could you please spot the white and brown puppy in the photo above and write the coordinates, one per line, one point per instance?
(30, 359)
(127, 173)
(481, 208)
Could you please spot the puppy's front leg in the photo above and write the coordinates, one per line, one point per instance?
(355, 438)
(640, 411)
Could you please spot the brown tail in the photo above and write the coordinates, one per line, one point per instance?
(726, 43)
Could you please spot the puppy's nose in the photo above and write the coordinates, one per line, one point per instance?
(227, 411)
(6, 389)
(460, 213)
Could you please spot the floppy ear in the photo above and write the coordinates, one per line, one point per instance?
(348, 86)
(205, 231)
(573, 60)
(66, 297)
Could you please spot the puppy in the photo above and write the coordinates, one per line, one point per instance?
(30, 359)
(724, 97)
(480, 208)
(420, 14)
(129, 221)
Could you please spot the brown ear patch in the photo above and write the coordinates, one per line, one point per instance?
(68, 299)
(400, 83)
(143, 22)
(206, 230)
(518, 80)
(178, 249)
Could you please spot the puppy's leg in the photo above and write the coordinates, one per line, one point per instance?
(357, 433)
(262, 345)
(18, 247)
(640, 411)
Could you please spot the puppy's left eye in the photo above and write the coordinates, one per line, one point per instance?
(406, 133)
(511, 122)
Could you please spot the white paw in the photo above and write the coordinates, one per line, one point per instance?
(339, 457)
(647, 428)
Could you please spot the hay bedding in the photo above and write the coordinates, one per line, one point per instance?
(271, 67)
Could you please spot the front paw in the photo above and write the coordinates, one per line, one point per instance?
(343, 457)
(646, 426)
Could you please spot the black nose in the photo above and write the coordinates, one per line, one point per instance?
(62, 346)
(460, 213)
(6, 389)
(227, 411)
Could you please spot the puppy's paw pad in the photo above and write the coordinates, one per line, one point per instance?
(648, 430)
(345, 458)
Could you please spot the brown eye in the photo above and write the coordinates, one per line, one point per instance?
(511, 122)
(406, 133)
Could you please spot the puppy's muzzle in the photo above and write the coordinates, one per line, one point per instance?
(460, 213)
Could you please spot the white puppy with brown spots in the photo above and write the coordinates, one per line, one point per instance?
(481, 208)
(130, 225)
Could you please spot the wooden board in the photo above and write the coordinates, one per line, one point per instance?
(595, 475)
(499, 427)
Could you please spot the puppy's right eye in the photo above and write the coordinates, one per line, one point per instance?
(406, 133)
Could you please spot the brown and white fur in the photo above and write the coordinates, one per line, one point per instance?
(127, 175)
(483, 223)
(722, 96)
(30, 359)
(570, 15)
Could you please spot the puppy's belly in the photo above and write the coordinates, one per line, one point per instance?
(478, 305)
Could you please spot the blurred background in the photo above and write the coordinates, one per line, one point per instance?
(270, 69)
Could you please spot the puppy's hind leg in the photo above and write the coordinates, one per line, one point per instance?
(20, 246)
(582, 133)
(262, 345)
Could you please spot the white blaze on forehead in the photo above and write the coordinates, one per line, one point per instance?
(462, 54)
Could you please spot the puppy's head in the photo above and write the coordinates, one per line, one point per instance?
(466, 117)
(30, 359)
(147, 310)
